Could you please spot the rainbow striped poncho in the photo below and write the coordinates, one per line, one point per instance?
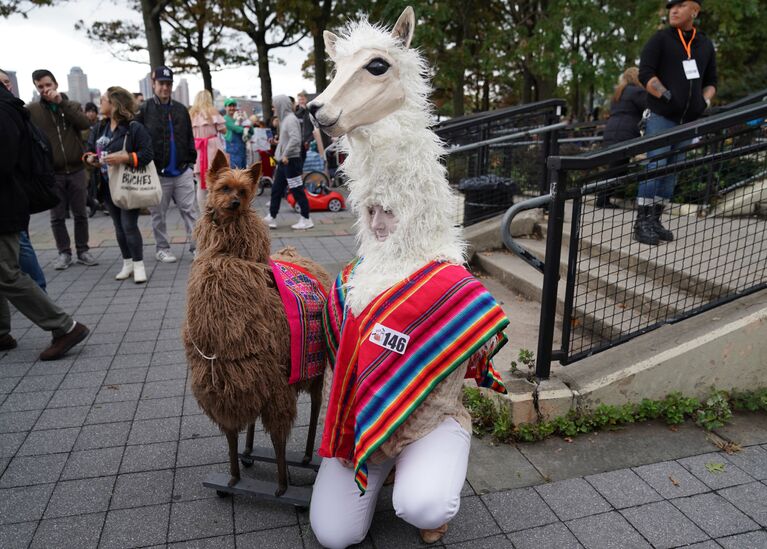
(435, 320)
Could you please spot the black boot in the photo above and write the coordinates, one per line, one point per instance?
(643, 231)
(662, 232)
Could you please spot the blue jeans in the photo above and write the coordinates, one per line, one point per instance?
(660, 188)
(236, 150)
(28, 260)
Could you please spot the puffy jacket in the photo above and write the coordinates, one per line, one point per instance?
(15, 167)
(154, 116)
(63, 129)
(290, 129)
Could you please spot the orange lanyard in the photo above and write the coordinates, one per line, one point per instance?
(687, 45)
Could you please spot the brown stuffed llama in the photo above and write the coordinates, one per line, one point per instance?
(236, 332)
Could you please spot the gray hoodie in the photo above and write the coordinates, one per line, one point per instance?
(290, 129)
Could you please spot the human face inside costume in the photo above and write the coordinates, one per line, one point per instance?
(382, 222)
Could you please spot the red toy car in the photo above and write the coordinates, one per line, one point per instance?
(320, 197)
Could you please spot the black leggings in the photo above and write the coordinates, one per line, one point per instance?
(293, 168)
(126, 229)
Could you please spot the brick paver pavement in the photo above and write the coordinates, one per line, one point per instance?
(107, 448)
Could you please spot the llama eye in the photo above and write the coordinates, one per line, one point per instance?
(377, 67)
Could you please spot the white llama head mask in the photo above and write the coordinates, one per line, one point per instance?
(371, 75)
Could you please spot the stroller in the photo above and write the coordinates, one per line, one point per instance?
(268, 165)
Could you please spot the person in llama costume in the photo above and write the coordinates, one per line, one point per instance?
(406, 322)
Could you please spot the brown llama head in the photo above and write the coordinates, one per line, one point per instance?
(230, 191)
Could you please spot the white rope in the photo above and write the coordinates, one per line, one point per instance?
(212, 364)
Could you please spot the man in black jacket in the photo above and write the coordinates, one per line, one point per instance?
(170, 126)
(678, 69)
(15, 286)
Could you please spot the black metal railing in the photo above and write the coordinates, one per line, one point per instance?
(616, 288)
(497, 155)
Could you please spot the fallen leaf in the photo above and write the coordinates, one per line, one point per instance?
(673, 480)
(726, 446)
(715, 468)
(673, 428)
(113, 387)
(568, 439)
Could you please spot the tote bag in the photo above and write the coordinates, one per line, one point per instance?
(133, 188)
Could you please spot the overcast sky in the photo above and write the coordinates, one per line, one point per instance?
(48, 39)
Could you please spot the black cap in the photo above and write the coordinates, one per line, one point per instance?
(162, 74)
(672, 3)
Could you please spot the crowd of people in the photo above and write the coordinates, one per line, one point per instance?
(84, 142)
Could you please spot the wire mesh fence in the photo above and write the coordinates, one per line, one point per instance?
(493, 157)
(713, 175)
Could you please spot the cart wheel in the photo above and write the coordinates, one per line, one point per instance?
(314, 182)
(262, 183)
(297, 208)
(334, 205)
(222, 494)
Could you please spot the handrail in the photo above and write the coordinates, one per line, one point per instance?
(488, 116)
(509, 241)
(508, 137)
(644, 144)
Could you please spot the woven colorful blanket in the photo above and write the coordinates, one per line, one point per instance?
(304, 299)
(407, 340)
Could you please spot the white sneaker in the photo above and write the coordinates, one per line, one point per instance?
(270, 221)
(165, 256)
(139, 272)
(126, 271)
(303, 224)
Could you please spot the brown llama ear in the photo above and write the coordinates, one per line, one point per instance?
(330, 43)
(219, 163)
(405, 26)
(255, 173)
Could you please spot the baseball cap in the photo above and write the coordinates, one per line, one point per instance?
(162, 74)
(672, 3)
(230, 101)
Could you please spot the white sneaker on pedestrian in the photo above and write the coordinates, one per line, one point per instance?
(303, 224)
(126, 271)
(139, 272)
(64, 261)
(270, 221)
(165, 256)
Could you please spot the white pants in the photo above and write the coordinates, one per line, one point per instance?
(427, 488)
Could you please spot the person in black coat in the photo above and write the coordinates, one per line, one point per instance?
(628, 104)
(118, 139)
(15, 286)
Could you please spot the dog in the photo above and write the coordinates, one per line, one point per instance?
(236, 333)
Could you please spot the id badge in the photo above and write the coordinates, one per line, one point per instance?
(691, 69)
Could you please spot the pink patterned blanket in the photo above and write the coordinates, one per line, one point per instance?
(304, 300)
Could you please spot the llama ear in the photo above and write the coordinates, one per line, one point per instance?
(255, 173)
(330, 43)
(405, 26)
(220, 162)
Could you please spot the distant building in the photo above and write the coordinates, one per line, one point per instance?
(248, 105)
(78, 86)
(95, 94)
(145, 86)
(181, 93)
(14, 83)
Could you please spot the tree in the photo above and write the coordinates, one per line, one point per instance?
(316, 16)
(21, 7)
(269, 28)
(198, 41)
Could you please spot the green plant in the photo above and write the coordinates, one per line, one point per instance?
(676, 408)
(526, 358)
(715, 412)
(750, 401)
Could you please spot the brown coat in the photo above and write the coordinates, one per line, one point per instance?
(63, 129)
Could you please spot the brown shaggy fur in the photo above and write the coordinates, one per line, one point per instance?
(234, 312)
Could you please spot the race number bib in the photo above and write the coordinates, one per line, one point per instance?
(691, 69)
(389, 339)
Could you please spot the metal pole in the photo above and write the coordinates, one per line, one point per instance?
(550, 277)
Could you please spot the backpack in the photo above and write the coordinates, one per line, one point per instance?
(39, 188)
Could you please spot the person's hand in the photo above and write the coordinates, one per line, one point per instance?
(284, 160)
(346, 463)
(52, 96)
(92, 159)
(114, 159)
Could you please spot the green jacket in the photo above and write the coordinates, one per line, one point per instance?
(62, 127)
